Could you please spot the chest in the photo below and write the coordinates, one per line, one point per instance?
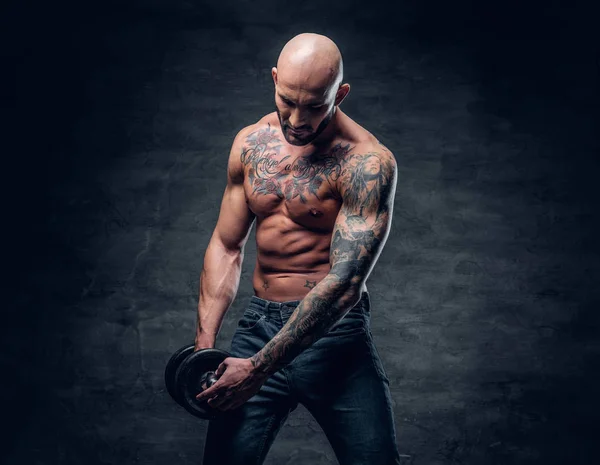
(302, 188)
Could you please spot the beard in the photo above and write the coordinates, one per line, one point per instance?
(304, 140)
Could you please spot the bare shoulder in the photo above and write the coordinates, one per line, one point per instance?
(373, 146)
(370, 157)
(243, 134)
(364, 142)
(246, 137)
(369, 175)
(267, 124)
(366, 148)
(264, 131)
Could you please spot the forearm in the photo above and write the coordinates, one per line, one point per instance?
(219, 281)
(322, 307)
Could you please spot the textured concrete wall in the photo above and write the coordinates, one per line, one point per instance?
(485, 300)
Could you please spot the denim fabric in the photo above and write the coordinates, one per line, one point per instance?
(339, 379)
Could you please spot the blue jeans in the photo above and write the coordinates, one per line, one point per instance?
(339, 379)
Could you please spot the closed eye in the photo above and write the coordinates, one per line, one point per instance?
(291, 104)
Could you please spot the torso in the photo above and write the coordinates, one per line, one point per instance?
(294, 195)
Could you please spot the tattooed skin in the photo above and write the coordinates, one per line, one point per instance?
(367, 183)
(285, 177)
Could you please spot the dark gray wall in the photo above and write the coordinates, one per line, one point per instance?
(118, 118)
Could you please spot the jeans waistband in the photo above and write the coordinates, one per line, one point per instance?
(285, 309)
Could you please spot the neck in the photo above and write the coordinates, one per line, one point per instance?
(329, 133)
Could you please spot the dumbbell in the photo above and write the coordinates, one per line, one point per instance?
(188, 373)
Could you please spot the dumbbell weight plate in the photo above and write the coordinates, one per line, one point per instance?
(188, 379)
(171, 370)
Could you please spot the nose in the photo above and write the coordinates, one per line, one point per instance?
(296, 119)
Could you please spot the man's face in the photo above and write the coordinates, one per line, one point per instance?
(303, 115)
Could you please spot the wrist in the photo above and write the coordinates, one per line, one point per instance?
(260, 367)
(204, 340)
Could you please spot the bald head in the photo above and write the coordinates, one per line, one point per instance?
(308, 87)
(311, 61)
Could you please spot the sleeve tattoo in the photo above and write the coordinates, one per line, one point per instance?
(367, 188)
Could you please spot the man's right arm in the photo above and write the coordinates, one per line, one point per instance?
(220, 276)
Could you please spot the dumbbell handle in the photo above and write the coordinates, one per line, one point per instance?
(208, 379)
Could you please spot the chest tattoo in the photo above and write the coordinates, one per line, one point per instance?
(272, 173)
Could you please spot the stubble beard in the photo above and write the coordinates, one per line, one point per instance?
(312, 136)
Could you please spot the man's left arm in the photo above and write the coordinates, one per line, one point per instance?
(367, 187)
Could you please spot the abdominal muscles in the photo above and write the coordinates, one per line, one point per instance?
(291, 258)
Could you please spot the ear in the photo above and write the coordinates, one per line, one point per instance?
(274, 74)
(341, 93)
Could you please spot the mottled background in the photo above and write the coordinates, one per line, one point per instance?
(117, 121)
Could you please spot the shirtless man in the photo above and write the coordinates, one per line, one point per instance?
(321, 189)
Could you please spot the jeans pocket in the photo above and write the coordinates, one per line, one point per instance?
(249, 320)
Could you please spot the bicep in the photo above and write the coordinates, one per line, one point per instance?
(235, 217)
(364, 219)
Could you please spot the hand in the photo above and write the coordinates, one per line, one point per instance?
(237, 383)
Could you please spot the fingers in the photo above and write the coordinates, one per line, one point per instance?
(220, 397)
(228, 392)
(215, 389)
(221, 368)
(212, 391)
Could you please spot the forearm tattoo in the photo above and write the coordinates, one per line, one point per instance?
(367, 186)
(310, 321)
